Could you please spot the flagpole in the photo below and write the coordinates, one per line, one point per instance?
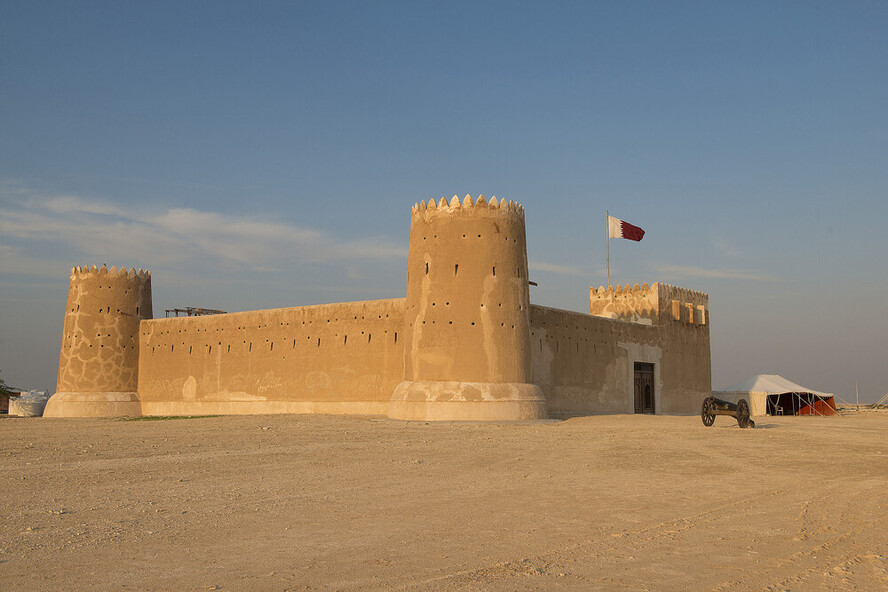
(608, 248)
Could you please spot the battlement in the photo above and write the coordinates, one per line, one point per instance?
(481, 204)
(657, 304)
(86, 272)
(684, 294)
(629, 289)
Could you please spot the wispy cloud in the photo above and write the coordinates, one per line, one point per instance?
(682, 271)
(71, 204)
(554, 268)
(727, 249)
(72, 227)
(14, 261)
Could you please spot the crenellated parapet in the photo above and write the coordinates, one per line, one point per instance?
(638, 304)
(467, 205)
(680, 305)
(99, 357)
(657, 304)
(85, 272)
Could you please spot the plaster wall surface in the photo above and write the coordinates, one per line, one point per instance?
(650, 305)
(686, 370)
(467, 315)
(333, 358)
(100, 347)
(99, 356)
(585, 364)
(467, 294)
(638, 305)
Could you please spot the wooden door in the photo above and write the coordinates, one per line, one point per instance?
(644, 388)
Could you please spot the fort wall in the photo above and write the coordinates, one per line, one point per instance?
(679, 321)
(333, 358)
(585, 364)
(686, 371)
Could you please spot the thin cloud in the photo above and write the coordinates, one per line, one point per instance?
(14, 261)
(71, 204)
(683, 271)
(554, 268)
(727, 249)
(101, 231)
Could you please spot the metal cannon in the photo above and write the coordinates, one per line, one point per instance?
(738, 410)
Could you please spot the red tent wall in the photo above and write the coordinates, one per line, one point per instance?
(820, 407)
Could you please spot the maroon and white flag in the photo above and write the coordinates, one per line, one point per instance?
(616, 228)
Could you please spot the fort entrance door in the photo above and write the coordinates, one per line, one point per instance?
(644, 388)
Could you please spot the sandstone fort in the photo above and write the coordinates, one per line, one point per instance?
(465, 343)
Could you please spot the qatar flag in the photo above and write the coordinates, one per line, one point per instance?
(616, 228)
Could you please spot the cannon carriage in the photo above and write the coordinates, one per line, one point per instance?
(738, 410)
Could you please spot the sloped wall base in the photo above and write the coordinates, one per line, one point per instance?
(93, 405)
(430, 400)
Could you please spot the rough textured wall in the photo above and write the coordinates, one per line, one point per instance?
(467, 293)
(467, 316)
(686, 371)
(100, 336)
(635, 304)
(687, 307)
(657, 304)
(334, 358)
(585, 364)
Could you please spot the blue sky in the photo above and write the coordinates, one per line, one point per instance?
(265, 154)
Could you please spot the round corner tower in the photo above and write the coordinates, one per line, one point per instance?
(467, 320)
(99, 359)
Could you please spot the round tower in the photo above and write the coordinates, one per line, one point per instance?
(99, 360)
(467, 321)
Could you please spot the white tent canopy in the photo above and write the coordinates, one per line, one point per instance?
(757, 388)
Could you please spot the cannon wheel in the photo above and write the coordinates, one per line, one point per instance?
(743, 414)
(706, 412)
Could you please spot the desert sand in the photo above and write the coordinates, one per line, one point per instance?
(301, 502)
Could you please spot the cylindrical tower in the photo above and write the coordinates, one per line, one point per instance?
(99, 360)
(467, 322)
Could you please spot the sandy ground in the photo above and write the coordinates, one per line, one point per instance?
(348, 503)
